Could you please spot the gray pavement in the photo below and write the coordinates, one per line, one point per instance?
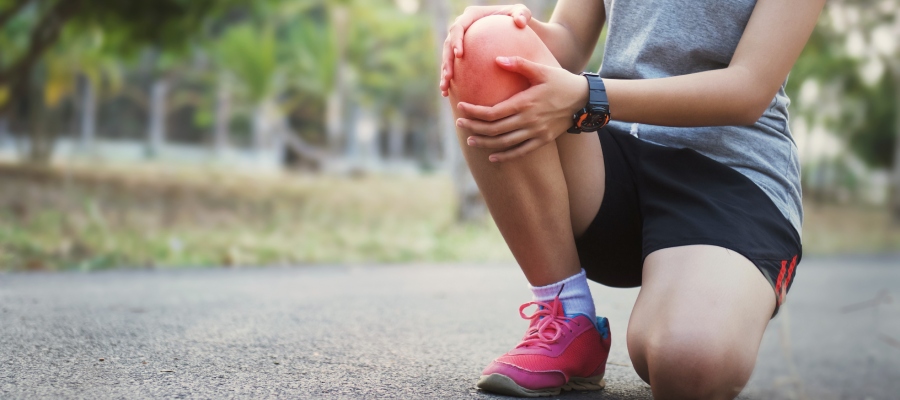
(415, 331)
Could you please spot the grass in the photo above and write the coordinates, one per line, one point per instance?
(89, 218)
(831, 229)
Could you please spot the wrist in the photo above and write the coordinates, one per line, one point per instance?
(595, 113)
(580, 93)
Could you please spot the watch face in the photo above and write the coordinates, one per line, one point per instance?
(595, 120)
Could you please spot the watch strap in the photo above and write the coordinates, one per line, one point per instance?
(597, 107)
(597, 90)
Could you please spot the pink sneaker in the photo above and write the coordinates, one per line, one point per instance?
(558, 352)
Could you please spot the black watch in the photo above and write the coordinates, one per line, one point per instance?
(596, 113)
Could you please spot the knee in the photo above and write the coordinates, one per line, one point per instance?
(690, 363)
(476, 78)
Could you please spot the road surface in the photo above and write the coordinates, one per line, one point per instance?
(410, 331)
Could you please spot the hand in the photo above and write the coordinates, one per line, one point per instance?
(453, 46)
(529, 119)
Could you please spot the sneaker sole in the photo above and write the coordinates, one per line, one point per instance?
(502, 384)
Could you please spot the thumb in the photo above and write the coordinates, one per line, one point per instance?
(534, 72)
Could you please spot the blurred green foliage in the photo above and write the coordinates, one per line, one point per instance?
(293, 53)
(279, 56)
(31, 27)
(295, 62)
(866, 107)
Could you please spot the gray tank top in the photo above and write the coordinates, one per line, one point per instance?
(661, 38)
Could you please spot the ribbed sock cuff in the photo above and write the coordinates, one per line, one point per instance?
(575, 296)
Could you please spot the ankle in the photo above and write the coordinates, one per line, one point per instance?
(573, 292)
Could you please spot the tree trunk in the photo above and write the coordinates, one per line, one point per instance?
(268, 123)
(302, 149)
(88, 115)
(368, 137)
(156, 131)
(41, 135)
(396, 135)
(335, 111)
(351, 144)
(262, 127)
(334, 118)
(223, 117)
(470, 204)
(895, 174)
(278, 140)
(4, 127)
(4, 130)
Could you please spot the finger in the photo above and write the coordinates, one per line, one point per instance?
(503, 141)
(505, 108)
(495, 128)
(445, 82)
(521, 15)
(455, 38)
(461, 24)
(534, 72)
(448, 71)
(526, 147)
(446, 62)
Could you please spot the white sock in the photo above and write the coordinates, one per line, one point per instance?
(575, 296)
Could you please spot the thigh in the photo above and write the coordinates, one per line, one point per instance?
(604, 205)
(581, 157)
(704, 301)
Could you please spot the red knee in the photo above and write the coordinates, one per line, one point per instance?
(477, 78)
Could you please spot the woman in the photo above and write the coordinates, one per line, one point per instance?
(691, 191)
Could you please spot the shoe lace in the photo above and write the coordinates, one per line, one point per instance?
(550, 324)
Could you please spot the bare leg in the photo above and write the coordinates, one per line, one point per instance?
(582, 161)
(529, 197)
(697, 324)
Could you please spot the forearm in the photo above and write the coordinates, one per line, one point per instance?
(728, 96)
(737, 95)
(563, 44)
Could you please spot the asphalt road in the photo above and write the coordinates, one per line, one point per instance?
(415, 331)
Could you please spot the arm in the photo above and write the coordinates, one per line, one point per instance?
(736, 95)
(571, 34)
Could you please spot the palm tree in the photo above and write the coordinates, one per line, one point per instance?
(319, 68)
(250, 55)
(77, 62)
(268, 69)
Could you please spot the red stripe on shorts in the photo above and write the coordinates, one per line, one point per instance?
(780, 278)
(790, 273)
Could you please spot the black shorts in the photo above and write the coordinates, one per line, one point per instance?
(658, 197)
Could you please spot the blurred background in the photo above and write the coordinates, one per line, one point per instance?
(191, 133)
